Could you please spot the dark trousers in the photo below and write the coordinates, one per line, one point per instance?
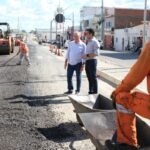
(70, 71)
(90, 69)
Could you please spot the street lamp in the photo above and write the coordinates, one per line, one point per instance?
(102, 21)
(145, 19)
(51, 26)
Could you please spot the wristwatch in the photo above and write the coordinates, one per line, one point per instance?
(87, 55)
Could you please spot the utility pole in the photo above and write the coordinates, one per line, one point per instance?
(145, 21)
(18, 25)
(51, 27)
(102, 21)
(56, 28)
(72, 23)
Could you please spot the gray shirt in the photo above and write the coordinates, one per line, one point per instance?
(93, 46)
(75, 52)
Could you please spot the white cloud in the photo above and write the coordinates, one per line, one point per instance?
(38, 13)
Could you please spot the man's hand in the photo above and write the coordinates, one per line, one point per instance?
(113, 100)
(82, 68)
(65, 66)
(84, 57)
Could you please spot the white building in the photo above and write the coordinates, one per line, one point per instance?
(45, 34)
(128, 36)
(90, 16)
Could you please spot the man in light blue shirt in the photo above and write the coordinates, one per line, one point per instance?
(74, 62)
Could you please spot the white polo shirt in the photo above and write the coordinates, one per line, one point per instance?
(75, 52)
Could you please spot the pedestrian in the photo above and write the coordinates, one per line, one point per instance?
(138, 45)
(74, 62)
(24, 52)
(129, 102)
(92, 51)
(58, 44)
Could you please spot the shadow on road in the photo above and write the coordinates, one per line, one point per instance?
(30, 82)
(39, 101)
(64, 132)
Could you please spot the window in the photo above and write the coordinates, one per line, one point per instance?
(116, 40)
(108, 25)
(86, 23)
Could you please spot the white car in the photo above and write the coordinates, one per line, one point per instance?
(66, 44)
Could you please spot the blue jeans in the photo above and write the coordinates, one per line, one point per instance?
(70, 71)
(90, 69)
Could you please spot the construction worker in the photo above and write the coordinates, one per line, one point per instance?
(24, 52)
(128, 103)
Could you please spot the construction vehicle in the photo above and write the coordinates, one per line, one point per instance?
(6, 40)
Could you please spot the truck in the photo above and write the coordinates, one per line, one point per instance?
(6, 40)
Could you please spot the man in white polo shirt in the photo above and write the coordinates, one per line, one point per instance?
(74, 62)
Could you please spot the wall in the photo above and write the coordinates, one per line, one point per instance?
(130, 34)
(125, 18)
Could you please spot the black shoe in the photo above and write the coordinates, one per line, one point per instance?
(94, 93)
(68, 92)
(90, 92)
(110, 145)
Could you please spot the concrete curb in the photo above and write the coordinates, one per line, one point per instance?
(108, 77)
(112, 79)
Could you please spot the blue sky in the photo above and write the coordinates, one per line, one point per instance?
(38, 13)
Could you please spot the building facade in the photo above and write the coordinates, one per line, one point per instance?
(125, 39)
(114, 18)
(121, 18)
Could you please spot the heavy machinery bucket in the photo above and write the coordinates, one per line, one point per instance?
(102, 126)
(90, 103)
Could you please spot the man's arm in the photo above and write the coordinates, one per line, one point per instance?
(66, 63)
(95, 52)
(67, 57)
(83, 54)
(137, 73)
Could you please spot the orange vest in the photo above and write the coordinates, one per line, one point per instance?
(23, 48)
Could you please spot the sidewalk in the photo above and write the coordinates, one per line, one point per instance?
(115, 73)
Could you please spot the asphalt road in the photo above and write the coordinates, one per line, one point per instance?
(34, 112)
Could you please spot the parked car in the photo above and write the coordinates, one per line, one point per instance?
(101, 44)
(52, 41)
(66, 44)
